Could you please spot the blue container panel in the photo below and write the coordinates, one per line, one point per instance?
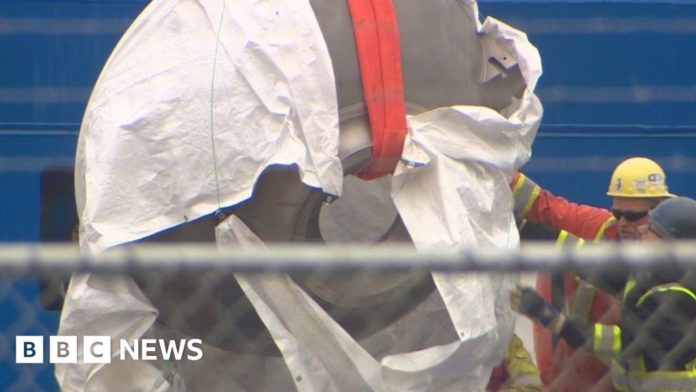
(610, 62)
(57, 49)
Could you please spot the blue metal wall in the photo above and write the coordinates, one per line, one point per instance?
(617, 82)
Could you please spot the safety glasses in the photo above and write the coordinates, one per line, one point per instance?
(629, 215)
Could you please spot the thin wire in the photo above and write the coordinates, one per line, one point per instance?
(212, 96)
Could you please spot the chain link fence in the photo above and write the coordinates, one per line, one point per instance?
(201, 292)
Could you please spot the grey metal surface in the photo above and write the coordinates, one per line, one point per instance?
(441, 55)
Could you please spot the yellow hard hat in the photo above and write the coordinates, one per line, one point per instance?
(638, 177)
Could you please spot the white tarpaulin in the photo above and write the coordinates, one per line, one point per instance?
(322, 356)
(198, 98)
(454, 190)
(194, 102)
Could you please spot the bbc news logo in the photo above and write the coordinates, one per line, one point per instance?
(98, 349)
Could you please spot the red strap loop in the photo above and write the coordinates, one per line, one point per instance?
(377, 38)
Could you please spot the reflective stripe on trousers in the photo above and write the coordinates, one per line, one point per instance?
(607, 340)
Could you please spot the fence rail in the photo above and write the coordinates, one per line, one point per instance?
(28, 259)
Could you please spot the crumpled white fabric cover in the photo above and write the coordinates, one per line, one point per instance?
(144, 164)
(145, 157)
(322, 356)
(451, 190)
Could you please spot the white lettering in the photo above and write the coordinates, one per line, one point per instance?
(194, 345)
(125, 347)
(171, 346)
(148, 348)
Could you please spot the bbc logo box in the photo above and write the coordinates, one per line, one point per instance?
(62, 349)
(29, 349)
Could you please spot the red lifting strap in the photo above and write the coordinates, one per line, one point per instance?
(377, 39)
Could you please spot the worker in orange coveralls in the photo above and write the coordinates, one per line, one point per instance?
(637, 185)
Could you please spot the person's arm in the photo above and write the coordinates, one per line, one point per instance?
(541, 206)
(665, 327)
(602, 339)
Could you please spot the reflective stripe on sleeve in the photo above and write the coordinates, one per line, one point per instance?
(630, 285)
(526, 192)
(565, 239)
(560, 241)
(675, 287)
(602, 229)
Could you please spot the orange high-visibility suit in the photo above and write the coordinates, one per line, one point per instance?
(562, 368)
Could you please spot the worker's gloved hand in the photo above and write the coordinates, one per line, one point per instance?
(528, 302)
